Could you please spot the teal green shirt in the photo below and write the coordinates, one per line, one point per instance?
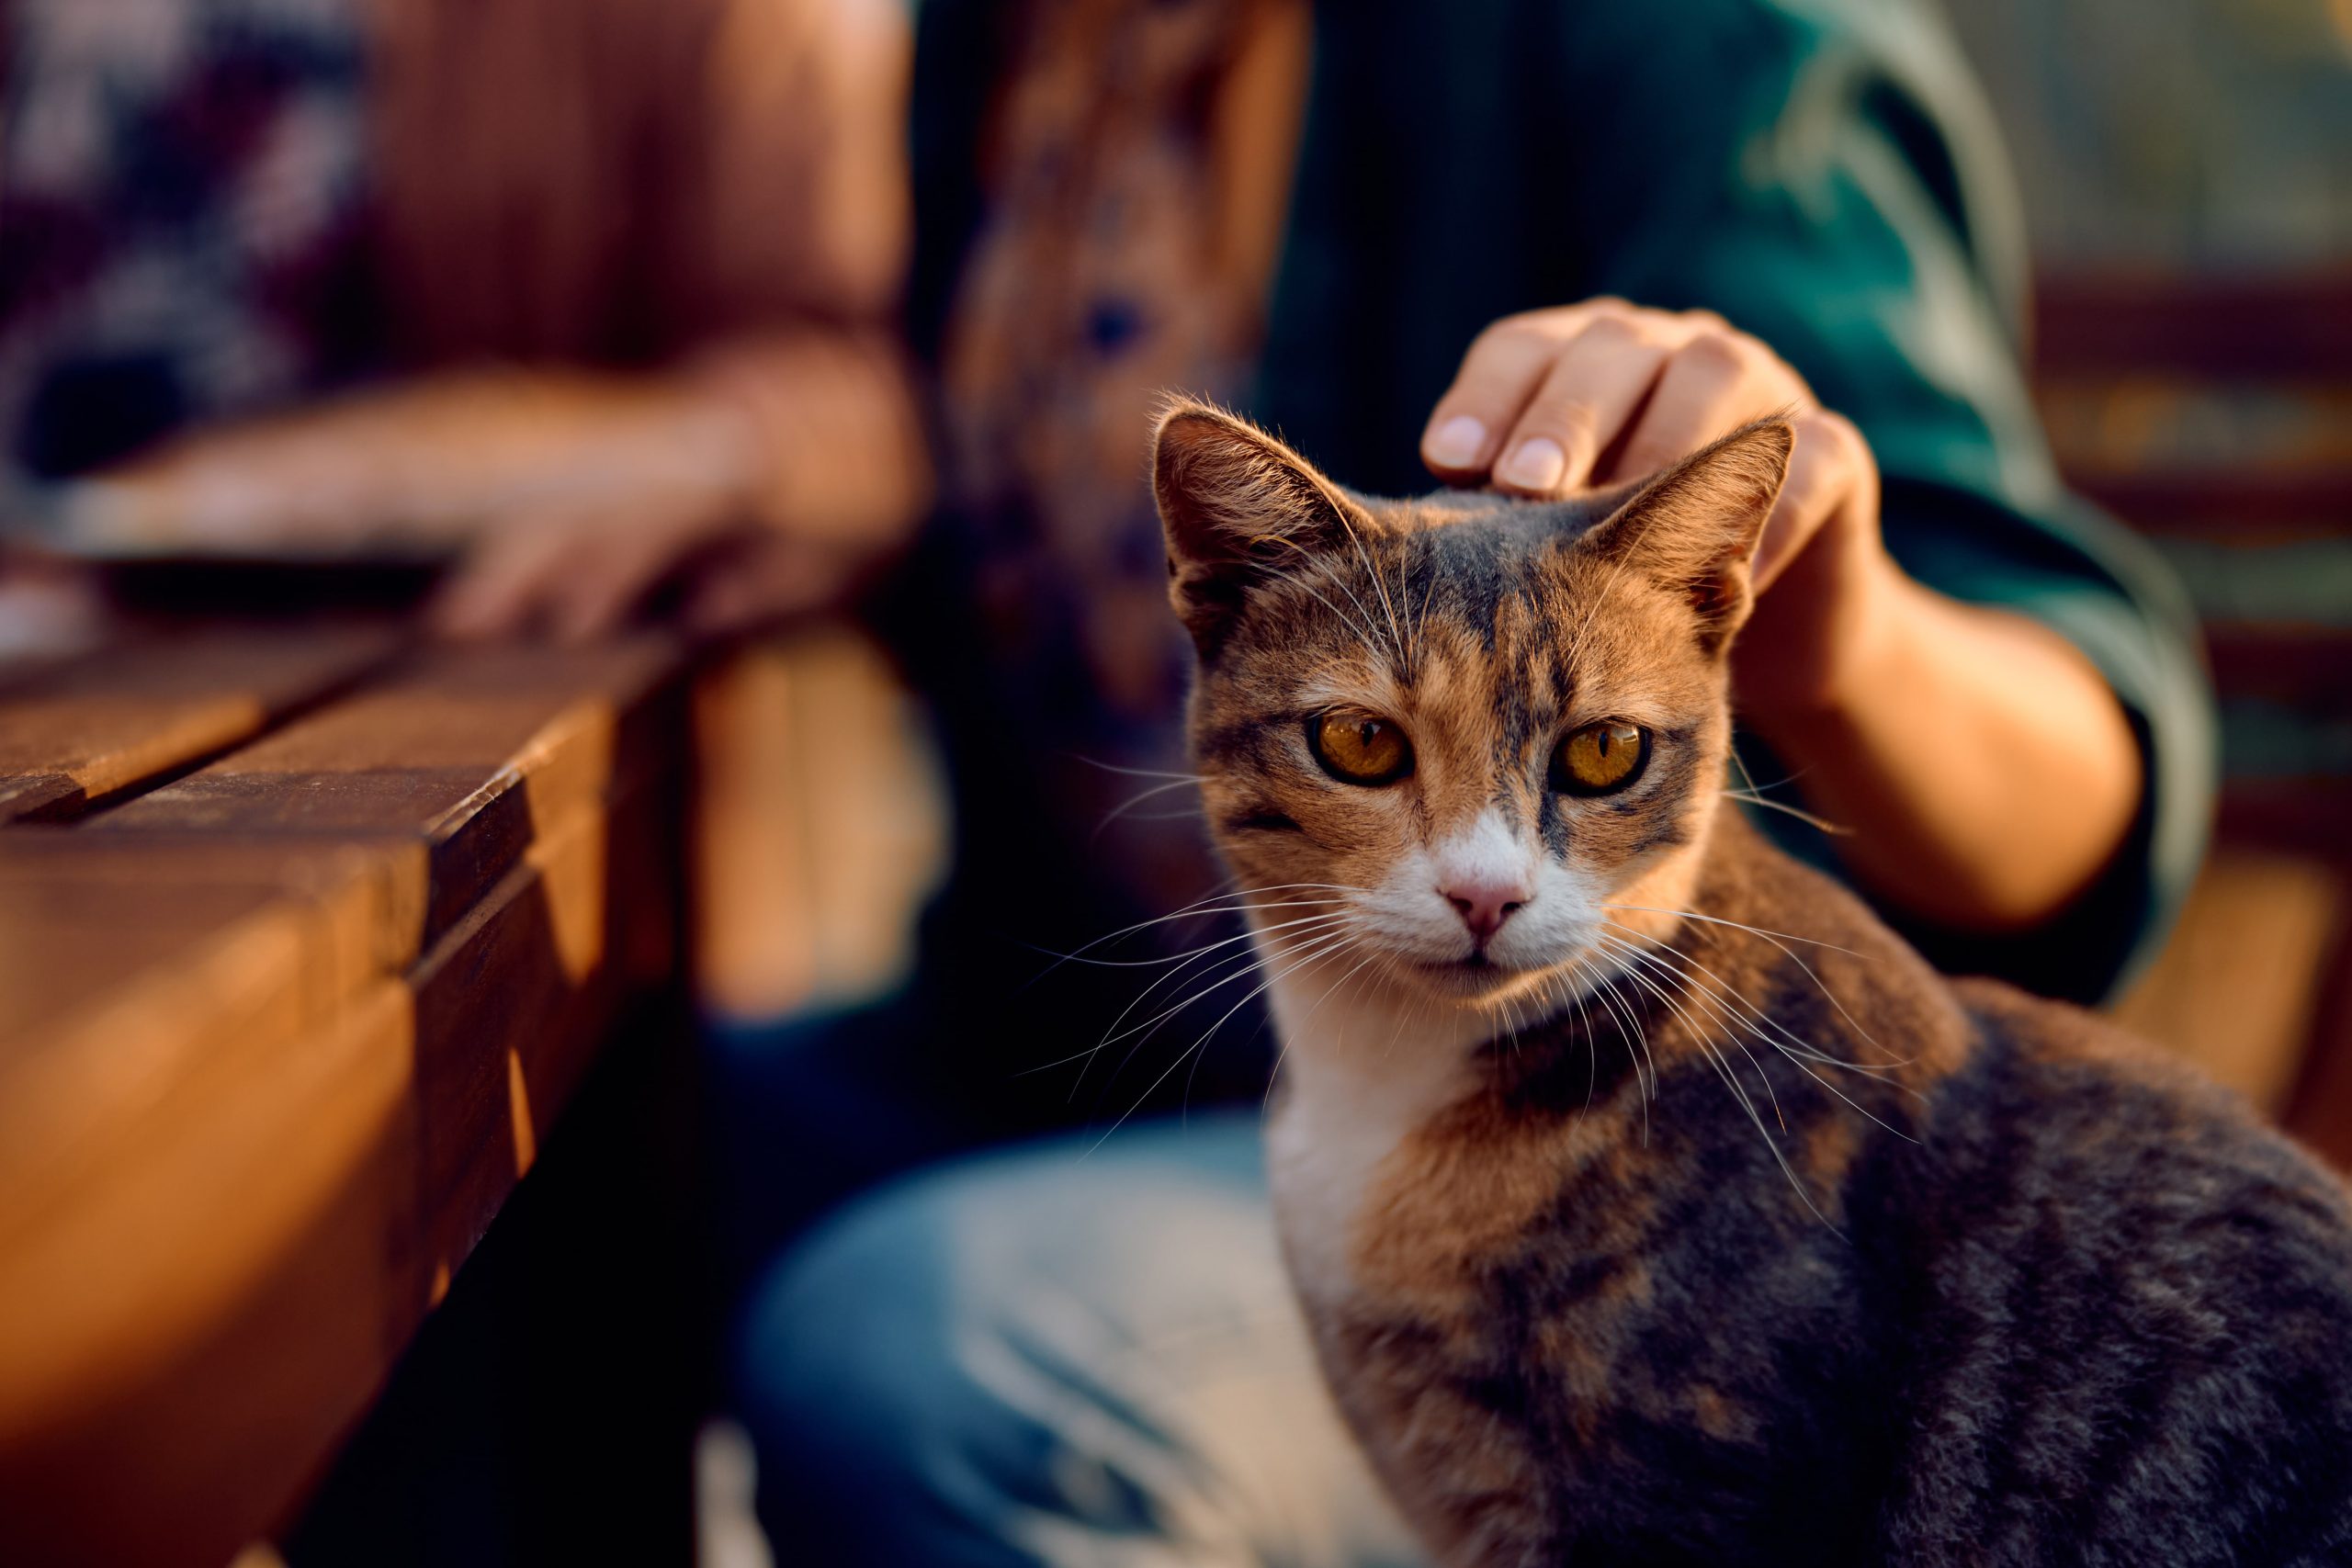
(1821, 173)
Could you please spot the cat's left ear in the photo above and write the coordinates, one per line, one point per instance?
(1693, 529)
(1237, 505)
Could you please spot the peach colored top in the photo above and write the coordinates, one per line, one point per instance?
(642, 181)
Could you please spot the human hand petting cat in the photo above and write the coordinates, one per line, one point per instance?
(1984, 767)
(1581, 397)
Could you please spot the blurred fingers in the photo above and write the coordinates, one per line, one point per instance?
(623, 557)
(502, 586)
(764, 583)
(576, 573)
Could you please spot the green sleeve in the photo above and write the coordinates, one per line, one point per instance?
(1822, 174)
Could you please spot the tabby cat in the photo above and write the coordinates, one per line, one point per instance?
(1649, 1201)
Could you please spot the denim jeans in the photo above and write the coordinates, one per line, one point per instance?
(1064, 1353)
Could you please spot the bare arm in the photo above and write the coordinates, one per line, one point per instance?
(1982, 771)
(783, 433)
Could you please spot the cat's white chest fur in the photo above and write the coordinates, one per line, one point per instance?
(1356, 1084)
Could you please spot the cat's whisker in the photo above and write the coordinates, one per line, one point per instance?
(1387, 604)
(1819, 824)
(1570, 983)
(1131, 772)
(1798, 1057)
(1880, 1072)
(1151, 1027)
(1710, 1004)
(1751, 785)
(1379, 585)
(1305, 927)
(1226, 900)
(1719, 920)
(1698, 1033)
(1720, 1064)
(1421, 623)
(1363, 612)
(1638, 1043)
(1404, 596)
(1579, 972)
(1778, 939)
(1780, 1157)
(1249, 962)
(1202, 1041)
(1133, 801)
(1079, 954)
(1682, 983)
(1166, 959)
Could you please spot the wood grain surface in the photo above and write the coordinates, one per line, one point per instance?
(303, 946)
(119, 717)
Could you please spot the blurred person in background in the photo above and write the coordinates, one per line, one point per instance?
(1083, 1350)
(582, 291)
(596, 294)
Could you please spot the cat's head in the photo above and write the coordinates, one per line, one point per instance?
(1484, 728)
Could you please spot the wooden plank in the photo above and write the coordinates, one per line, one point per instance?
(2310, 664)
(819, 826)
(338, 848)
(126, 977)
(2236, 989)
(472, 750)
(2320, 1112)
(277, 1041)
(77, 735)
(2265, 327)
(511, 1003)
(2233, 506)
(217, 1306)
(228, 1293)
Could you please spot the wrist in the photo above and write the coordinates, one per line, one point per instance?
(1817, 669)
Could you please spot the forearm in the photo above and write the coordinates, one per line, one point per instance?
(1982, 772)
(811, 433)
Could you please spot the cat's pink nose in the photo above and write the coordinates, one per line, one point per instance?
(1485, 905)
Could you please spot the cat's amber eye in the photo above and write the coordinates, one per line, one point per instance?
(1600, 757)
(1358, 749)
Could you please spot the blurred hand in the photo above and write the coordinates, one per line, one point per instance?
(568, 500)
(577, 570)
(1586, 396)
(49, 608)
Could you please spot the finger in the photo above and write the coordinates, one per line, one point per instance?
(626, 555)
(1593, 388)
(1711, 383)
(502, 583)
(1830, 467)
(1501, 372)
(777, 579)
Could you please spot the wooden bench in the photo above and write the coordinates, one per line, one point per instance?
(306, 940)
(2206, 412)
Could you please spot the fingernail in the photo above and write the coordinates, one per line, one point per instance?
(1534, 465)
(1457, 443)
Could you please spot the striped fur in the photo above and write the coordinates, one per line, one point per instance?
(1694, 1219)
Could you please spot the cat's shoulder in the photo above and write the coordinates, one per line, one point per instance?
(2126, 1127)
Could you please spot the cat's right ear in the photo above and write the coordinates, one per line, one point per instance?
(1236, 506)
(1693, 528)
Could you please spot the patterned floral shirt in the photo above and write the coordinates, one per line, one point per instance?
(183, 195)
